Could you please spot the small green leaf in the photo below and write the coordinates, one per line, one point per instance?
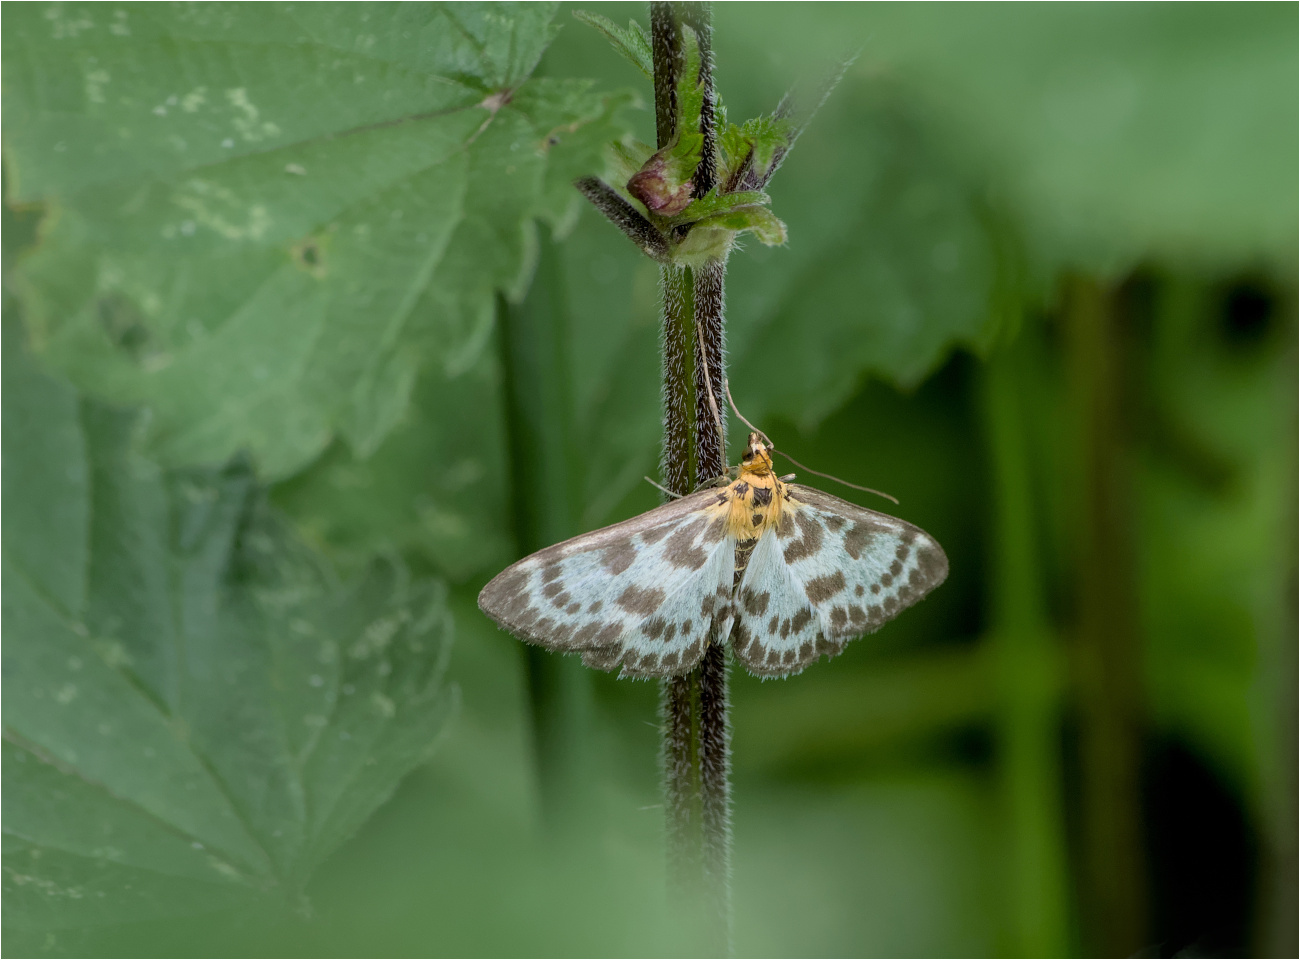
(714, 203)
(633, 43)
(713, 237)
(196, 711)
(767, 137)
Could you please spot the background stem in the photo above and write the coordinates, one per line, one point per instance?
(533, 359)
(1109, 671)
(1029, 670)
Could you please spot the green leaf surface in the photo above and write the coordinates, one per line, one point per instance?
(632, 43)
(435, 489)
(265, 221)
(195, 710)
(893, 260)
(1114, 133)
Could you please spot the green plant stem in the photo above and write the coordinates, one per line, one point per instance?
(533, 364)
(1107, 638)
(1281, 880)
(1028, 670)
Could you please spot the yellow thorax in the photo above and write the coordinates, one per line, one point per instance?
(756, 496)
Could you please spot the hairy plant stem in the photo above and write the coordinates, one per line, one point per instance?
(696, 754)
(680, 752)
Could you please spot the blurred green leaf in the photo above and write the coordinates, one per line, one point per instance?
(1111, 133)
(434, 489)
(195, 710)
(266, 220)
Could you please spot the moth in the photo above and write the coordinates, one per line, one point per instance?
(787, 574)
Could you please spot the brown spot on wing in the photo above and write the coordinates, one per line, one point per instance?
(681, 550)
(858, 539)
(762, 496)
(742, 489)
(809, 543)
(655, 534)
(821, 589)
(932, 563)
(641, 601)
(755, 603)
(618, 556)
(757, 519)
(834, 522)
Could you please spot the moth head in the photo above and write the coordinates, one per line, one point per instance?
(756, 456)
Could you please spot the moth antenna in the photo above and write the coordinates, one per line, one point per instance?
(828, 476)
(675, 496)
(766, 439)
(708, 382)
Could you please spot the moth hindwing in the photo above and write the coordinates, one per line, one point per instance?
(785, 572)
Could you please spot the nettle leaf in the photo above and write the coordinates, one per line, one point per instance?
(436, 488)
(196, 711)
(896, 260)
(633, 43)
(265, 220)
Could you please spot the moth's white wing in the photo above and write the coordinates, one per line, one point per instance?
(831, 572)
(641, 595)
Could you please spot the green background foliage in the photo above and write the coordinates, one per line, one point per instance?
(269, 273)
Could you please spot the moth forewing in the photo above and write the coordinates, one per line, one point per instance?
(641, 595)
